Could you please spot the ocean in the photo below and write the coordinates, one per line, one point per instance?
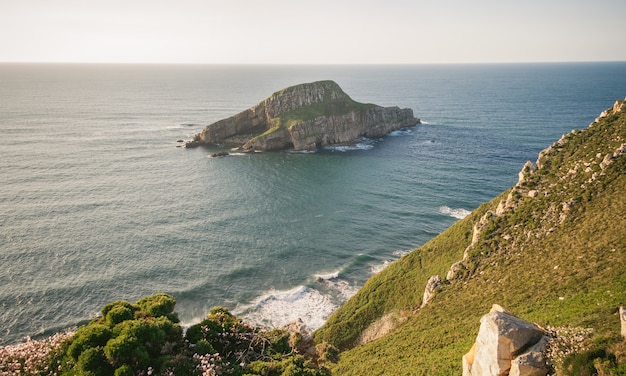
(98, 203)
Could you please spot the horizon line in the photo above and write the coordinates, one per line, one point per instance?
(309, 64)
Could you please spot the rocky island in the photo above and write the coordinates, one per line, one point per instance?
(304, 117)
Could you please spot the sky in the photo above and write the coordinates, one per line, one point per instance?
(311, 32)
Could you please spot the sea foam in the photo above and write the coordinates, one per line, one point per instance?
(401, 132)
(311, 304)
(279, 308)
(459, 213)
(363, 144)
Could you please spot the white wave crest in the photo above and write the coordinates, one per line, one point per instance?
(401, 132)
(279, 308)
(459, 213)
(340, 288)
(400, 253)
(327, 276)
(375, 269)
(365, 144)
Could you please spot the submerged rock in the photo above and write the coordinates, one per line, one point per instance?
(305, 117)
(220, 154)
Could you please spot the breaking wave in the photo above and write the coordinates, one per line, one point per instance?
(401, 132)
(311, 304)
(279, 308)
(459, 213)
(363, 144)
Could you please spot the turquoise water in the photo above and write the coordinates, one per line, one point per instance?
(98, 204)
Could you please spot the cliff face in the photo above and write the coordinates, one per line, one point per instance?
(305, 117)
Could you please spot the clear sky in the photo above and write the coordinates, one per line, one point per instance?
(311, 32)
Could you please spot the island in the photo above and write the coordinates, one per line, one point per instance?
(304, 117)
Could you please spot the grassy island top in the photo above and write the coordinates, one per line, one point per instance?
(334, 102)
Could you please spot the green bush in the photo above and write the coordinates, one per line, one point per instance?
(120, 303)
(124, 370)
(93, 362)
(127, 338)
(126, 349)
(203, 347)
(117, 314)
(90, 336)
(583, 364)
(291, 366)
(158, 305)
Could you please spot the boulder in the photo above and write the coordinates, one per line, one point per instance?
(506, 345)
(432, 287)
(532, 362)
(456, 270)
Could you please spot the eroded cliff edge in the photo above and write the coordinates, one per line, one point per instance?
(305, 117)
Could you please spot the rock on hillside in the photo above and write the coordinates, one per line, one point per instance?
(507, 345)
(305, 117)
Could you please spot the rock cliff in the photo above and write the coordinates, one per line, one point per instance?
(305, 117)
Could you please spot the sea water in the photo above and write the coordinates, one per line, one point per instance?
(99, 203)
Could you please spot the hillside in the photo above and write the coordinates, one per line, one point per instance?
(305, 117)
(552, 249)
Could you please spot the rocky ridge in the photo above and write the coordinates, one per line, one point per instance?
(304, 117)
(550, 242)
(537, 182)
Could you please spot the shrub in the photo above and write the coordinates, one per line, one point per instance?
(117, 314)
(327, 353)
(93, 362)
(584, 363)
(124, 370)
(126, 349)
(158, 305)
(93, 335)
(120, 303)
(127, 338)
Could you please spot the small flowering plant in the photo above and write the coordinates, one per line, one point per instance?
(229, 343)
(33, 357)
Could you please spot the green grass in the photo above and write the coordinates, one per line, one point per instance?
(545, 269)
(342, 105)
(326, 108)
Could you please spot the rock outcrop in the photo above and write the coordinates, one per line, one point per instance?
(506, 346)
(305, 117)
(433, 286)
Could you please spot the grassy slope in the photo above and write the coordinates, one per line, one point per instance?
(569, 273)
